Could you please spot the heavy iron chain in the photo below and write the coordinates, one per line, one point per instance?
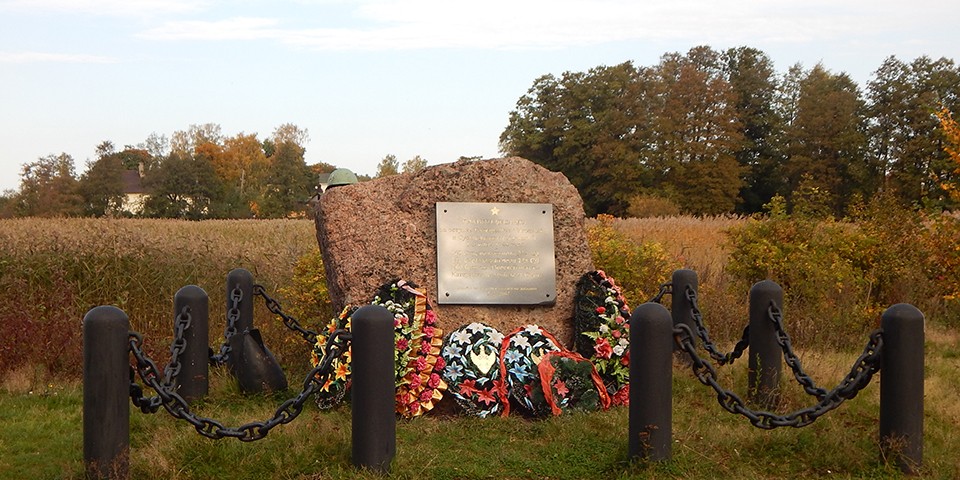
(665, 289)
(233, 315)
(170, 372)
(170, 400)
(274, 306)
(859, 377)
(704, 334)
(791, 358)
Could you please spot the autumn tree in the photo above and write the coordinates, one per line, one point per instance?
(184, 142)
(826, 141)
(414, 165)
(951, 132)
(697, 133)
(905, 142)
(589, 125)
(753, 81)
(288, 183)
(102, 186)
(184, 187)
(48, 188)
(388, 166)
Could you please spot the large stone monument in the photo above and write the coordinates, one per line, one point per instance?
(496, 250)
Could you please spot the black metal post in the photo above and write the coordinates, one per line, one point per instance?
(374, 390)
(192, 382)
(901, 387)
(243, 279)
(766, 357)
(106, 393)
(681, 309)
(651, 379)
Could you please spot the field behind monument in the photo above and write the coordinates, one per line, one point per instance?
(53, 271)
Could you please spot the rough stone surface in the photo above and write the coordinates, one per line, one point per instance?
(372, 232)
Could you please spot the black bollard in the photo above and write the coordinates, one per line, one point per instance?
(243, 279)
(106, 393)
(192, 383)
(901, 387)
(651, 379)
(374, 390)
(681, 309)
(766, 357)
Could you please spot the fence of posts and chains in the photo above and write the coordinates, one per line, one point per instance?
(110, 386)
(895, 349)
(657, 335)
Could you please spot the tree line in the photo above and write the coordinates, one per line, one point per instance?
(197, 173)
(714, 132)
(706, 132)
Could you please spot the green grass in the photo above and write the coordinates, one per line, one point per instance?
(60, 268)
(41, 435)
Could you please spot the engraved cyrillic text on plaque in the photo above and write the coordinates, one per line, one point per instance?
(495, 253)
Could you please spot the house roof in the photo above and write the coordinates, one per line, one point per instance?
(132, 182)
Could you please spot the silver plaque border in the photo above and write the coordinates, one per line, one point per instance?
(497, 290)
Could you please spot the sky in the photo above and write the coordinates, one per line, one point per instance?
(371, 78)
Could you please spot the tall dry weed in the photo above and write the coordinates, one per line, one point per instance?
(699, 244)
(55, 270)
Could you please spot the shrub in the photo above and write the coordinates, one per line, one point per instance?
(943, 266)
(306, 299)
(839, 276)
(644, 206)
(639, 268)
(816, 263)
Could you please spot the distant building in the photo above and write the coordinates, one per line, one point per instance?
(134, 194)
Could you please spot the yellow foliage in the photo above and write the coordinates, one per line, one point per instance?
(952, 131)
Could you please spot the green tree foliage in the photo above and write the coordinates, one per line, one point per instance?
(414, 165)
(721, 131)
(585, 125)
(616, 130)
(388, 166)
(905, 142)
(753, 80)
(826, 141)
(697, 133)
(48, 188)
(101, 186)
(184, 187)
(288, 182)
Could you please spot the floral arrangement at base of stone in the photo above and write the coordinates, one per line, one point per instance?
(522, 351)
(570, 382)
(416, 357)
(471, 354)
(602, 332)
(335, 388)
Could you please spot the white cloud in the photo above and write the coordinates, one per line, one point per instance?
(44, 57)
(240, 28)
(533, 24)
(104, 7)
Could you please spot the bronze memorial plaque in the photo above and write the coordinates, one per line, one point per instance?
(495, 253)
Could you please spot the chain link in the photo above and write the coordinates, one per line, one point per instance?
(665, 289)
(704, 334)
(173, 403)
(233, 316)
(859, 377)
(274, 306)
(170, 372)
(791, 358)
